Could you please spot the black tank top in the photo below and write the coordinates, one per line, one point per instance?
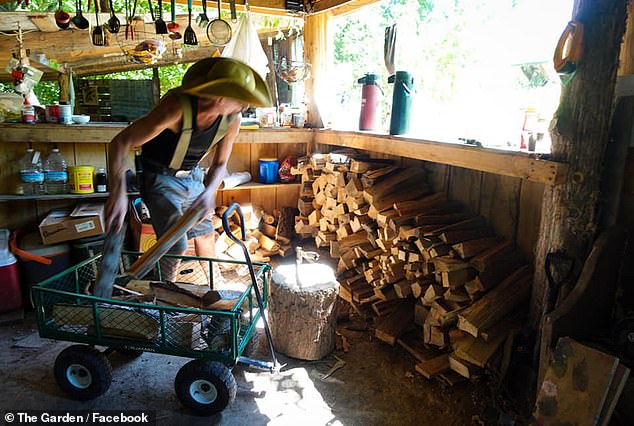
(158, 152)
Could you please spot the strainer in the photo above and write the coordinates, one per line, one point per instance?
(219, 30)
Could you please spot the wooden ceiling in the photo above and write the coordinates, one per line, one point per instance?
(74, 48)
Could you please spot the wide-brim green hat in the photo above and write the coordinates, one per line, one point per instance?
(227, 78)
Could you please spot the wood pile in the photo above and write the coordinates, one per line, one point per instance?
(415, 260)
(268, 234)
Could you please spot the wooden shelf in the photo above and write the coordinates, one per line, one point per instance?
(507, 163)
(105, 132)
(256, 185)
(8, 197)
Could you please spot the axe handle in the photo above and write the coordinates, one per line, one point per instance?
(147, 261)
(109, 267)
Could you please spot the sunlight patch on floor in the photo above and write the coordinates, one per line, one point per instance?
(291, 398)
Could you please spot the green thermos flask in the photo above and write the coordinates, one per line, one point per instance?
(401, 102)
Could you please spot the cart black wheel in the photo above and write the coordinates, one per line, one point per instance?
(130, 353)
(83, 372)
(204, 386)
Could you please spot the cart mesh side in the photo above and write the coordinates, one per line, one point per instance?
(66, 312)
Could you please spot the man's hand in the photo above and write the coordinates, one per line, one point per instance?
(206, 201)
(115, 211)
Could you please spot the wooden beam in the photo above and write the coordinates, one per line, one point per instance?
(261, 7)
(341, 7)
(490, 160)
(316, 54)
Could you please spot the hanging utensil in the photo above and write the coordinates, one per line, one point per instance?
(173, 26)
(160, 25)
(113, 23)
(97, 32)
(232, 7)
(62, 19)
(129, 18)
(203, 19)
(219, 30)
(78, 20)
(389, 48)
(190, 35)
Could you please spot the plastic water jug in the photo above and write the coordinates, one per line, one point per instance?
(370, 92)
(401, 102)
(56, 173)
(31, 173)
(10, 294)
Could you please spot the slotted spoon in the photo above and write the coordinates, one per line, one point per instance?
(160, 25)
(202, 18)
(97, 32)
(189, 37)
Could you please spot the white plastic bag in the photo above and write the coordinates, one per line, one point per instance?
(245, 46)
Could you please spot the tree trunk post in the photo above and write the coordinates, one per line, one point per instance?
(579, 138)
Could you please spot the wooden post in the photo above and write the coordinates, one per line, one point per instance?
(626, 63)
(156, 86)
(64, 89)
(580, 136)
(316, 54)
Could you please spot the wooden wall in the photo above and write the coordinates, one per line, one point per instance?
(245, 158)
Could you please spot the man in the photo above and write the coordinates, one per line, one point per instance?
(204, 112)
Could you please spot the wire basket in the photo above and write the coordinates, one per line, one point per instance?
(293, 71)
(140, 43)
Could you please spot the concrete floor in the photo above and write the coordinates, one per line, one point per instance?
(377, 386)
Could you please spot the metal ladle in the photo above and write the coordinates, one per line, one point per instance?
(79, 20)
(113, 23)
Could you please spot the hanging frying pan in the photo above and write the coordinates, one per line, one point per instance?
(219, 30)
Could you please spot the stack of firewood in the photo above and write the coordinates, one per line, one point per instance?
(409, 256)
(268, 234)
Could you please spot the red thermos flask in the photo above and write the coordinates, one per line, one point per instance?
(370, 92)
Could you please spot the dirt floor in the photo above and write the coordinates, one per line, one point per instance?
(377, 386)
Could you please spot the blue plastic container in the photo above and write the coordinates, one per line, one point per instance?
(268, 170)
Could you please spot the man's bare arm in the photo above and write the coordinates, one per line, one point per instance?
(166, 115)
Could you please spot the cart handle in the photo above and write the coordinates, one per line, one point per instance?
(225, 221)
(247, 257)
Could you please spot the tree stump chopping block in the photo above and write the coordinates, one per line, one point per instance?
(302, 317)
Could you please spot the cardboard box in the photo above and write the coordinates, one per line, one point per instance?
(87, 220)
(144, 235)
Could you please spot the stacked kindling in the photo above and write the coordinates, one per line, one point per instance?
(411, 257)
(268, 234)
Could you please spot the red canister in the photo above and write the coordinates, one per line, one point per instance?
(370, 92)
(10, 293)
(52, 113)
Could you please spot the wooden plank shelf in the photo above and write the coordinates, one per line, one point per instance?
(105, 132)
(506, 163)
(94, 195)
(257, 185)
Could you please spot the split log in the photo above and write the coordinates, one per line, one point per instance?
(434, 366)
(497, 303)
(284, 230)
(462, 367)
(471, 248)
(396, 323)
